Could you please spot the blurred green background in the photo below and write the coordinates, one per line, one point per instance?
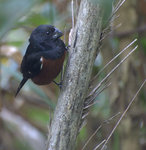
(24, 120)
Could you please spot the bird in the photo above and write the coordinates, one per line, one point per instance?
(44, 56)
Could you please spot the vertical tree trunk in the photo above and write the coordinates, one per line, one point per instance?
(84, 48)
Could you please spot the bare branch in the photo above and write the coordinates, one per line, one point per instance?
(72, 10)
(99, 145)
(122, 116)
(118, 6)
(115, 57)
(89, 101)
(106, 77)
(107, 33)
(112, 17)
(90, 138)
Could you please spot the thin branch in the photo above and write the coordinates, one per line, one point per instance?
(110, 32)
(65, 32)
(99, 145)
(105, 122)
(89, 100)
(120, 3)
(106, 77)
(111, 118)
(118, 6)
(77, 7)
(115, 57)
(122, 116)
(113, 17)
(110, 24)
(91, 137)
(72, 10)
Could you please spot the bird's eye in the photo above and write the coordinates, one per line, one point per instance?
(47, 32)
(52, 29)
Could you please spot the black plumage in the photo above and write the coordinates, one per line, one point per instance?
(44, 56)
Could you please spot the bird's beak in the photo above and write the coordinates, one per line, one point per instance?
(21, 85)
(57, 33)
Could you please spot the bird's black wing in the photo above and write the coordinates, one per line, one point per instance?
(52, 50)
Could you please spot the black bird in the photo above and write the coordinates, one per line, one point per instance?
(44, 56)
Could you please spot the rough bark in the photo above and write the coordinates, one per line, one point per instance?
(84, 48)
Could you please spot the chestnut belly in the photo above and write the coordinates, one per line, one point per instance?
(49, 71)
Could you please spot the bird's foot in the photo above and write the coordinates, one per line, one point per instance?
(58, 84)
(67, 47)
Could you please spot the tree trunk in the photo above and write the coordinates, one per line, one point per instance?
(84, 49)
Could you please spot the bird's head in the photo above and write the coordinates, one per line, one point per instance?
(46, 33)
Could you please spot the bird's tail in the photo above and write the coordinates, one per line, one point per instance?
(21, 85)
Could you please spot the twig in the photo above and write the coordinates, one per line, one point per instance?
(91, 99)
(76, 5)
(72, 10)
(106, 121)
(99, 145)
(91, 137)
(115, 57)
(64, 34)
(123, 114)
(113, 17)
(120, 3)
(106, 77)
(118, 6)
(110, 32)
